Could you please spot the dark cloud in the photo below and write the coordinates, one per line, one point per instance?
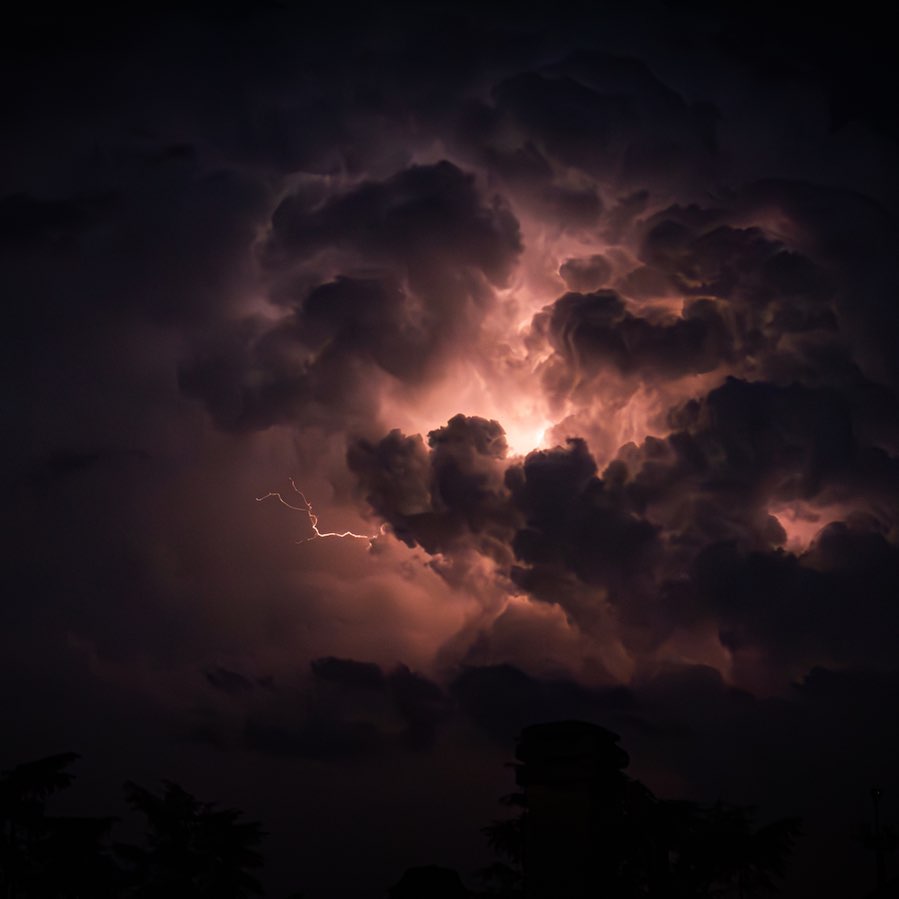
(421, 703)
(530, 177)
(349, 708)
(315, 365)
(749, 303)
(424, 218)
(608, 116)
(167, 242)
(231, 682)
(31, 224)
(798, 435)
(448, 496)
(317, 738)
(502, 700)
(573, 523)
(299, 719)
(850, 233)
(435, 251)
(69, 463)
(836, 602)
(735, 453)
(586, 273)
(777, 289)
(592, 331)
(349, 673)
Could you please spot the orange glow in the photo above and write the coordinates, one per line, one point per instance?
(612, 411)
(495, 376)
(802, 521)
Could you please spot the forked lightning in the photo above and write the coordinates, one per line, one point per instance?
(306, 508)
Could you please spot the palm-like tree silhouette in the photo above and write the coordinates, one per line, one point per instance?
(193, 849)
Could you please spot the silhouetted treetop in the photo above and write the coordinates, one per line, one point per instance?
(567, 752)
(587, 829)
(193, 849)
(50, 857)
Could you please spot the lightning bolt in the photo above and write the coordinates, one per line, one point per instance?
(307, 510)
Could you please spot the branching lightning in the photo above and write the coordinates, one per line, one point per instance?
(307, 510)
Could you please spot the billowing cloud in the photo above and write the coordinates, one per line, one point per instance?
(397, 276)
(449, 495)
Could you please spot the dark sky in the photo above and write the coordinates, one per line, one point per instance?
(583, 321)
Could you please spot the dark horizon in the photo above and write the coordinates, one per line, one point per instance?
(577, 826)
(382, 383)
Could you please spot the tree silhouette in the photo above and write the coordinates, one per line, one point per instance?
(506, 838)
(46, 856)
(502, 881)
(193, 849)
(882, 839)
(429, 882)
(717, 851)
(587, 829)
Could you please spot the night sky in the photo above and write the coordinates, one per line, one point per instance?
(580, 324)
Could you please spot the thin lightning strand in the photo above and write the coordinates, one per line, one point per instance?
(306, 509)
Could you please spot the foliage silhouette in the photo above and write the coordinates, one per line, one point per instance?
(583, 828)
(46, 856)
(501, 880)
(193, 849)
(588, 829)
(429, 882)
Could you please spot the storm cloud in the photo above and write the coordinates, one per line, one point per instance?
(575, 331)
